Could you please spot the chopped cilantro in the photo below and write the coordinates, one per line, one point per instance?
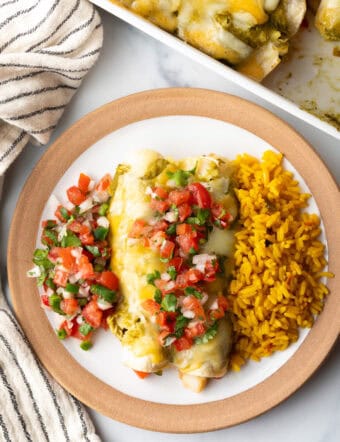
(169, 303)
(93, 250)
(180, 324)
(100, 233)
(70, 240)
(193, 291)
(151, 277)
(40, 258)
(181, 177)
(171, 230)
(172, 272)
(208, 335)
(158, 296)
(103, 292)
(64, 213)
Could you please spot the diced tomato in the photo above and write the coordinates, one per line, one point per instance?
(137, 228)
(83, 182)
(159, 205)
(161, 193)
(58, 214)
(141, 374)
(109, 279)
(192, 303)
(75, 195)
(222, 308)
(200, 194)
(166, 320)
(92, 314)
(104, 183)
(157, 239)
(67, 260)
(76, 333)
(162, 336)
(165, 286)
(151, 306)
(69, 306)
(183, 343)
(60, 278)
(197, 330)
(167, 249)
(45, 300)
(85, 268)
(75, 226)
(106, 314)
(181, 281)
(87, 239)
(219, 213)
(187, 243)
(160, 225)
(223, 302)
(176, 262)
(179, 197)
(217, 313)
(65, 326)
(184, 210)
(193, 276)
(183, 229)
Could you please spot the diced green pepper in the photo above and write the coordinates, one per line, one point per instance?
(72, 288)
(86, 345)
(100, 233)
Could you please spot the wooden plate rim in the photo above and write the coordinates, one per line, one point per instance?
(56, 359)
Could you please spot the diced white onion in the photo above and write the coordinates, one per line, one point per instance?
(103, 222)
(86, 205)
(76, 252)
(103, 305)
(100, 197)
(92, 183)
(203, 258)
(84, 291)
(170, 285)
(171, 217)
(72, 279)
(49, 291)
(165, 276)
(150, 192)
(35, 272)
(204, 298)
(62, 232)
(68, 295)
(214, 305)
(170, 340)
(79, 319)
(188, 313)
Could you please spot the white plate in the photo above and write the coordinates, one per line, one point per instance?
(176, 136)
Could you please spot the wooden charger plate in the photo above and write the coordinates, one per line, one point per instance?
(59, 362)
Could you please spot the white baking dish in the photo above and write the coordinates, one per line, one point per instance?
(297, 79)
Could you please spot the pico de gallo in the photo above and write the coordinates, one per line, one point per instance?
(183, 217)
(73, 267)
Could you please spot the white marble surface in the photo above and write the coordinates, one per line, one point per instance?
(131, 62)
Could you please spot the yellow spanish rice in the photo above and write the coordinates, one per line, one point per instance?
(279, 260)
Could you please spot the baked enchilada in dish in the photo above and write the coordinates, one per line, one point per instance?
(251, 35)
(172, 246)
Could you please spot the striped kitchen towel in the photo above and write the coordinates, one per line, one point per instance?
(46, 49)
(33, 407)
